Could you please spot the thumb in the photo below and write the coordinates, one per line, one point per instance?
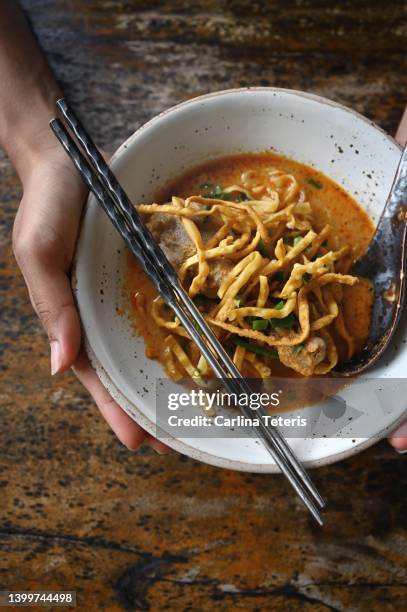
(53, 302)
(51, 296)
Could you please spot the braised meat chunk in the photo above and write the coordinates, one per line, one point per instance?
(304, 359)
(169, 231)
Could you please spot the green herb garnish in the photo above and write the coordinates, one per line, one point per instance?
(260, 324)
(280, 305)
(297, 239)
(209, 190)
(306, 278)
(263, 250)
(314, 183)
(255, 348)
(284, 323)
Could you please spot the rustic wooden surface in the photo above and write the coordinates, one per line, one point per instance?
(141, 531)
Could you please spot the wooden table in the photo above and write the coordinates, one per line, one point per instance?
(141, 531)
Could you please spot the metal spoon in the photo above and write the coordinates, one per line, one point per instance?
(384, 265)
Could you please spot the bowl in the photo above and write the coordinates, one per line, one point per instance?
(347, 147)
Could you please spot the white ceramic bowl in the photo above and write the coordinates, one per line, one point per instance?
(341, 143)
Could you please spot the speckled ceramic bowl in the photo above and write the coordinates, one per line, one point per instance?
(347, 147)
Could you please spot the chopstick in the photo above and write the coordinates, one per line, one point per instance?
(154, 263)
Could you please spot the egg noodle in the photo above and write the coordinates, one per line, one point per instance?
(281, 294)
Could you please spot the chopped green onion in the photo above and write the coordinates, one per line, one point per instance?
(297, 349)
(220, 195)
(214, 191)
(314, 183)
(263, 250)
(287, 240)
(297, 239)
(209, 190)
(284, 323)
(260, 324)
(306, 277)
(280, 305)
(255, 348)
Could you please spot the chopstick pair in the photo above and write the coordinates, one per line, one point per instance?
(110, 195)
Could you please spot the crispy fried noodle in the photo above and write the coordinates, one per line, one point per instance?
(263, 276)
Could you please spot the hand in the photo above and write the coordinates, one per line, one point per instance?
(398, 438)
(47, 221)
(44, 236)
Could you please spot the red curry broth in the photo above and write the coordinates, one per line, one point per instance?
(330, 204)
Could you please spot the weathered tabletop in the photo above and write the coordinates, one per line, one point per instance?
(141, 531)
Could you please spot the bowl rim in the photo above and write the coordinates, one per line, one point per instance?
(129, 407)
(214, 94)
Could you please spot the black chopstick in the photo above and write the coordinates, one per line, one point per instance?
(120, 210)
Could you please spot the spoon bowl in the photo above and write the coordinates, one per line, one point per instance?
(384, 266)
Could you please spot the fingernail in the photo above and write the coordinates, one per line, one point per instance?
(401, 451)
(159, 449)
(56, 361)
